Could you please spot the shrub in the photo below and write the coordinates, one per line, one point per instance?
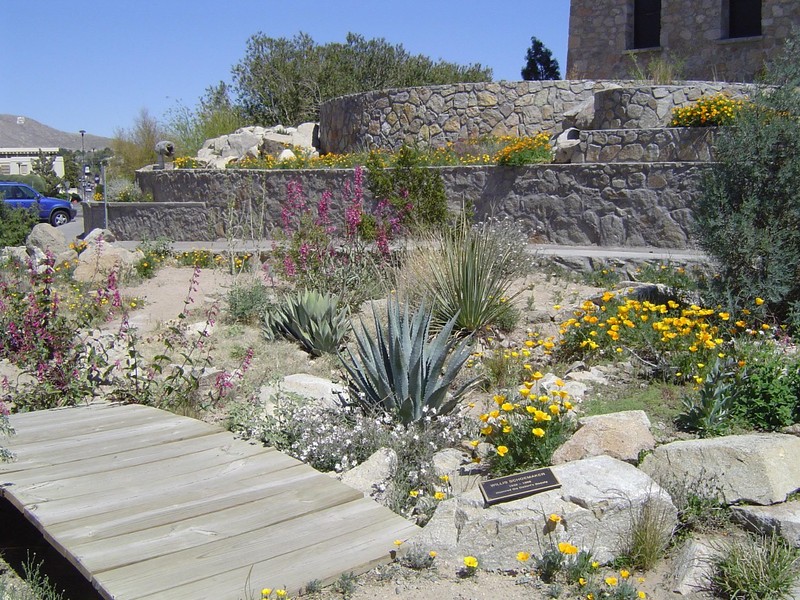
(247, 302)
(400, 371)
(767, 391)
(339, 438)
(708, 111)
(38, 335)
(312, 319)
(415, 192)
(747, 212)
(155, 253)
(17, 224)
(754, 568)
(527, 428)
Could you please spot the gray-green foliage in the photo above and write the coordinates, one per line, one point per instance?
(755, 568)
(401, 369)
(248, 301)
(748, 212)
(313, 319)
(709, 410)
(284, 80)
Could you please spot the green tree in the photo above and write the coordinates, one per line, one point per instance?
(214, 115)
(285, 80)
(748, 216)
(134, 148)
(540, 64)
(43, 167)
(72, 169)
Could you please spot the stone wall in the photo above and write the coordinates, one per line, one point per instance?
(693, 32)
(436, 115)
(676, 144)
(647, 106)
(591, 204)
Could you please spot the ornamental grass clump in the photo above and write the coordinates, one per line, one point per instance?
(402, 370)
(527, 427)
(470, 277)
(312, 319)
(755, 568)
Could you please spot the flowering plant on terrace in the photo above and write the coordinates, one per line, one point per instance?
(707, 111)
(527, 426)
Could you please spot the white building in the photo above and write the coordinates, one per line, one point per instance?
(19, 161)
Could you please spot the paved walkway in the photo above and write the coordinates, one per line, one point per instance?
(598, 253)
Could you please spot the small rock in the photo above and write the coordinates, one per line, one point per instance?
(373, 477)
(693, 566)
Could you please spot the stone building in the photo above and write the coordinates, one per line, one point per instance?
(714, 40)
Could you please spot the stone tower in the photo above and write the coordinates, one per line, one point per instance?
(723, 40)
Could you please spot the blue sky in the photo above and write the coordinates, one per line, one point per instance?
(81, 64)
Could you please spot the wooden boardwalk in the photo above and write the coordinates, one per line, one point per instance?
(151, 505)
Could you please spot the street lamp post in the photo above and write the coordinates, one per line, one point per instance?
(83, 160)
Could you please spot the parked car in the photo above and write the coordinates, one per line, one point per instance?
(51, 210)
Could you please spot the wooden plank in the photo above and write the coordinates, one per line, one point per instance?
(133, 457)
(174, 508)
(69, 421)
(182, 488)
(88, 445)
(293, 502)
(351, 552)
(182, 567)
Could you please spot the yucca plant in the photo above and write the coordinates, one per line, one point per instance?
(401, 370)
(310, 318)
(472, 280)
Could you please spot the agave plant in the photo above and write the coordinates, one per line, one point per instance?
(401, 370)
(310, 318)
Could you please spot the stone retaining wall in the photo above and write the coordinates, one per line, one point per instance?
(676, 144)
(589, 204)
(436, 115)
(649, 106)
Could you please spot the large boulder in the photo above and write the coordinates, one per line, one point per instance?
(254, 141)
(98, 260)
(47, 238)
(756, 469)
(782, 519)
(597, 500)
(623, 435)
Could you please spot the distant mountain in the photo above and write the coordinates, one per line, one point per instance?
(22, 132)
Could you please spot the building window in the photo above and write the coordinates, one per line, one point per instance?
(646, 24)
(743, 18)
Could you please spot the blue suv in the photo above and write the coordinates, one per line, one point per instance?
(51, 210)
